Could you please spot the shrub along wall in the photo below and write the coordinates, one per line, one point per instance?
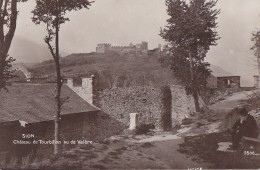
(145, 100)
(166, 108)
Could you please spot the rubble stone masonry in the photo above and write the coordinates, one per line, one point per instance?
(119, 102)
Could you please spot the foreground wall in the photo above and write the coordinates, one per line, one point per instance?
(119, 102)
(91, 126)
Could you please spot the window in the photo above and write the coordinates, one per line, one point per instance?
(77, 82)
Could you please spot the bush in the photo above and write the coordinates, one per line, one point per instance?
(253, 101)
(166, 108)
(144, 128)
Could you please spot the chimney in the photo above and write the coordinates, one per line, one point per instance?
(159, 47)
(256, 81)
(82, 87)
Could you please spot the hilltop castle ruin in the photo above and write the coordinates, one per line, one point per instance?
(136, 49)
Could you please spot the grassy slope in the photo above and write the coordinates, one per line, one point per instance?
(111, 69)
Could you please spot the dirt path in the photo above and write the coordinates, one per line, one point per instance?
(213, 119)
(167, 151)
(230, 102)
(159, 150)
(164, 146)
(145, 152)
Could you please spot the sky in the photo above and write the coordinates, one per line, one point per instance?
(118, 22)
(121, 22)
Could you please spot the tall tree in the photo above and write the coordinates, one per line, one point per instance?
(8, 18)
(190, 32)
(52, 13)
(256, 48)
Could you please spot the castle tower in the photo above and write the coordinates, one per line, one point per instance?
(102, 48)
(131, 45)
(256, 81)
(159, 47)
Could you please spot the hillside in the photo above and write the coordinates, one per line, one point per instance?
(111, 70)
(114, 70)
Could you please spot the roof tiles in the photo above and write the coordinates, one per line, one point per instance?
(35, 103)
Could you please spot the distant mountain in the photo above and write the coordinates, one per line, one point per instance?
(218, 71)
(27, 51)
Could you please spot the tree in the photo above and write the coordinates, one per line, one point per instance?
(8, 18)
(256, 48)
(8, 73)
(190, 32)
(52, 13)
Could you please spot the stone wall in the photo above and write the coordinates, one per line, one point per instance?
(182, 104)
(119, 102)
(91, 126)
(228, 82)
(138, 48)
(100, 126)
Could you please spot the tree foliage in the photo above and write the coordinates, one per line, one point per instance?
(190, 32)
(8, 73)
(256, 45)
(256, 49)
(8, 18)
(166, 108)
(53, 13)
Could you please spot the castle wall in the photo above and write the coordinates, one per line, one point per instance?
(126, 49)
(138, 48)
(102, 48)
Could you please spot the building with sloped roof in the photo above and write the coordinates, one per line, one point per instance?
(28, 102)
(27, 113)
(220, 79)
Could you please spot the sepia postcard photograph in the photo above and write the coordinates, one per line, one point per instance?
(129, 84)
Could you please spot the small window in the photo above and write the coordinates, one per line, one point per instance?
(77, 82)
(64, 81)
